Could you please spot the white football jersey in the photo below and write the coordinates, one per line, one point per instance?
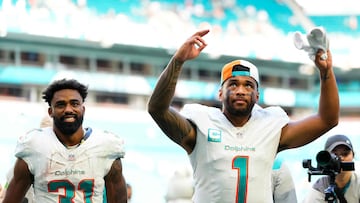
(283, 186)
(69, 175)
(234, 164)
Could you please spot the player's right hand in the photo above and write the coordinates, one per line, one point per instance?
(192, 46)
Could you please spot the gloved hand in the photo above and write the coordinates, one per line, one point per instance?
(313, 41)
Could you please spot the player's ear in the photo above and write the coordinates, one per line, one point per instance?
(220, 94)
(50, 112)
(257, 95)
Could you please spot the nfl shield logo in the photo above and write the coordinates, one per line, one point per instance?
(71, 157)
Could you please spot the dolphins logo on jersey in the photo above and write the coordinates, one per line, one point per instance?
(214, 135)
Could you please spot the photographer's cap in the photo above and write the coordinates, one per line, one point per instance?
(239, 68)
(337, 140)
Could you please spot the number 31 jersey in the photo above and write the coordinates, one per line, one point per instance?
(69, 175)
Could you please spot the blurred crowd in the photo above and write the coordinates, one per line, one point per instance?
(163, 23)
(146, 23)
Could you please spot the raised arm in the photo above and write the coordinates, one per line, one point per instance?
(299, 133)
(19, 184)
(175, 126)
(115, 184)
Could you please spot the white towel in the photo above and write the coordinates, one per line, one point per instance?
(313, 41)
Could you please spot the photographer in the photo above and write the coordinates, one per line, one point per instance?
(347, 183)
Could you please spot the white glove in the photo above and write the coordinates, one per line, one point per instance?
(316, 39)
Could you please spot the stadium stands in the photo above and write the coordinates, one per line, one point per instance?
(236, 22)
(119, 47)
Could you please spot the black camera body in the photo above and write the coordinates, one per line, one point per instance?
(327, 164)
(329, 161)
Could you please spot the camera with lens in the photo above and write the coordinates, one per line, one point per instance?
(327, 164)
(331, 165)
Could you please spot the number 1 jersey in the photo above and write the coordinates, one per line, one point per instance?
(233, 164)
